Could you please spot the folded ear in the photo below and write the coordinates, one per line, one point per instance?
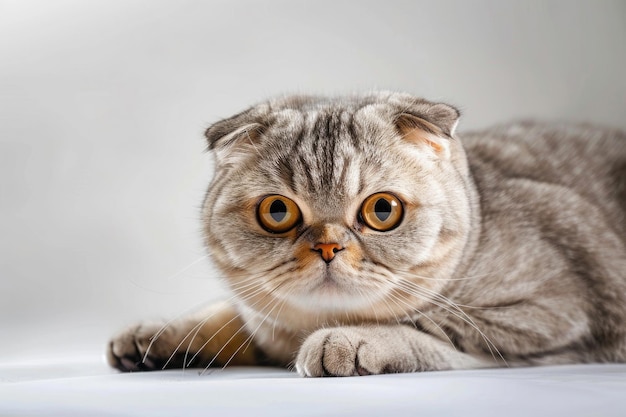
(235, 136)
(430, 126)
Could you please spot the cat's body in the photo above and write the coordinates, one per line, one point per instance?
(360, 235)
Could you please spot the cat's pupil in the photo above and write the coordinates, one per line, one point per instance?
(382, 208)
(278, 211)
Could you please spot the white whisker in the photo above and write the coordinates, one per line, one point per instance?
(250, 337)
(164, 327)
(171, 277)
(398, 299)
(195, 330)
(450, 307)
(233, 336)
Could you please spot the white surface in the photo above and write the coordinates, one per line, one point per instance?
(87, 388)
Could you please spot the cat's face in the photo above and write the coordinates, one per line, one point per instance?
(337, 208)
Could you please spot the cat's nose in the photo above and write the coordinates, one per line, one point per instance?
(327, 250)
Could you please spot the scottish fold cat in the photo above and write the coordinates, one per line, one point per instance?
(362, 235)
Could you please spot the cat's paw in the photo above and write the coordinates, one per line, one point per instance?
(133, 348)
(347, 351)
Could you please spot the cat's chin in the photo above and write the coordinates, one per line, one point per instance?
(330, 300)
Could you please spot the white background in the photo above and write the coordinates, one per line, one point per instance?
(103, 105)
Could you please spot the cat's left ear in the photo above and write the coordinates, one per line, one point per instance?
(430, 126)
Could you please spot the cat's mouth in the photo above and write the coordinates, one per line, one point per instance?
(330, 294)
(331, 286)
(328, 280)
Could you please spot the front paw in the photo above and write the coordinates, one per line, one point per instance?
(350, 351)
(133, 349)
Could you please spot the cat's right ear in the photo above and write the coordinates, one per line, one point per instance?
(234, 137)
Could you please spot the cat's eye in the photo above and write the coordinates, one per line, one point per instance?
(278, 214)
(382, 211)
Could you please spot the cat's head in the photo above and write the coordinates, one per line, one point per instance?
(337, 207)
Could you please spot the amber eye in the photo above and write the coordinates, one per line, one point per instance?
(382, 211)
(278, 214)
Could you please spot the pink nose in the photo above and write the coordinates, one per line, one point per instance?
(327, 250)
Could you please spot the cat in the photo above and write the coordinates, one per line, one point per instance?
(361, 235)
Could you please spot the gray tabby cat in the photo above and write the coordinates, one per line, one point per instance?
(361, 235)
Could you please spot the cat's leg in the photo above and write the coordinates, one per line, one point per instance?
(212, 337)
(365, 350)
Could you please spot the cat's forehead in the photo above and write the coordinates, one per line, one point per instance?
(330, 156)
(331, 129)
(329, 118)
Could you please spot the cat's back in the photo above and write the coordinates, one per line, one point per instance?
(583, 159)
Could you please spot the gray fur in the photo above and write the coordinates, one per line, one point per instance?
(512, 249)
